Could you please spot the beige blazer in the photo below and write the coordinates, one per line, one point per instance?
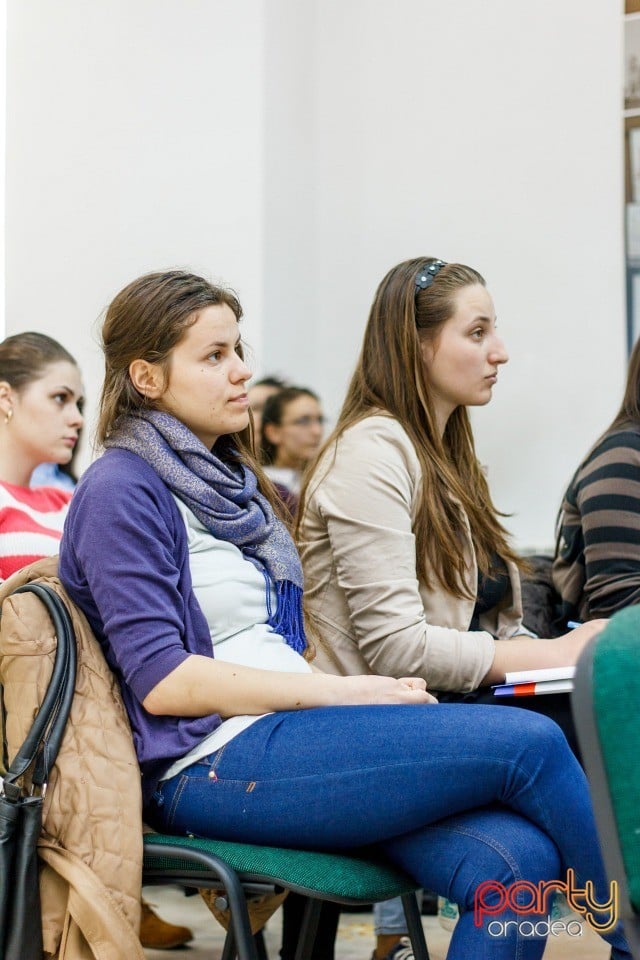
(367, 611)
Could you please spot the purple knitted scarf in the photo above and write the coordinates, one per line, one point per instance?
(226, 500)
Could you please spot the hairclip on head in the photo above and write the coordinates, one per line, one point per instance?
(428, 273)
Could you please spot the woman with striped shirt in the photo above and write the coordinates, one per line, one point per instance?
(597, 565)
(41, 399)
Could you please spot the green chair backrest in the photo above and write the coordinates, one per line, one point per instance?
(616, 700)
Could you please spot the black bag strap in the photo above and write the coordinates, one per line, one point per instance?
(5, 746)
(53, 738)
(43, 740)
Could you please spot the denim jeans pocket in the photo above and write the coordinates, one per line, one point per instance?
(164, 802)
(182, 802)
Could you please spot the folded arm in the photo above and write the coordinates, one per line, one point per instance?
(201, 685)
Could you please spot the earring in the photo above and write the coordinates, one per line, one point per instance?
(9, 415)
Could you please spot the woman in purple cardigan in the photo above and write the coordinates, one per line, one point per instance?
(193, 586)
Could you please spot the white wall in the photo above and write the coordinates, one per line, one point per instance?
(298, 149)
(484, 133)
(135, 143)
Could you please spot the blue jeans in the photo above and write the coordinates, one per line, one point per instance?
(454, 794)
(388, 917)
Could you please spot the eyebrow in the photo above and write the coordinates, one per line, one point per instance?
(482, 319)
(223, 343)
(79, 397)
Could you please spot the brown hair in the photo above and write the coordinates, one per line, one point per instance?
(146, 321)
(273, 412)
(402, 317)
(25, 356)
(629, 412)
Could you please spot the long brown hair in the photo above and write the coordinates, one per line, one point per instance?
(629, 412)
(146, 321)
(390, 376)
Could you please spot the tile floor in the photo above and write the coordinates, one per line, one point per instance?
(355, 935)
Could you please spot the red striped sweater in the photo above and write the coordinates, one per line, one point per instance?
(30, 524)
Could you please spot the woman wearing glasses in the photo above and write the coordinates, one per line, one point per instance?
(292, 427)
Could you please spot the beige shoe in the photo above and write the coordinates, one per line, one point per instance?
(260, 908)
(157, 934)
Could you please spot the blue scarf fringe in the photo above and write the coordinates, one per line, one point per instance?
(287, 619)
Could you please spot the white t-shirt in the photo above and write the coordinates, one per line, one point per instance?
(231, 592)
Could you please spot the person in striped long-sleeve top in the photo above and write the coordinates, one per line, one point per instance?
(596, 568)
(41, 398)
(30, 524)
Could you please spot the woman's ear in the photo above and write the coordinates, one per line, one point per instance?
(147, 378)
(271, 432)
(7, 397)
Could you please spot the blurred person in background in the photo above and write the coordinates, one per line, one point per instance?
(259, 393)
(292, 428)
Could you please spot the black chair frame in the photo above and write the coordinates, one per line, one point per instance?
(236, 888)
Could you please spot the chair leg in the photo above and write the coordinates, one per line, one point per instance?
(239, 939)
(309, 929)
(229, 951)
(414, 926)
(261, 947)
(293, 910)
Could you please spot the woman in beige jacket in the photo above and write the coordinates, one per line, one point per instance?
(408, 570)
